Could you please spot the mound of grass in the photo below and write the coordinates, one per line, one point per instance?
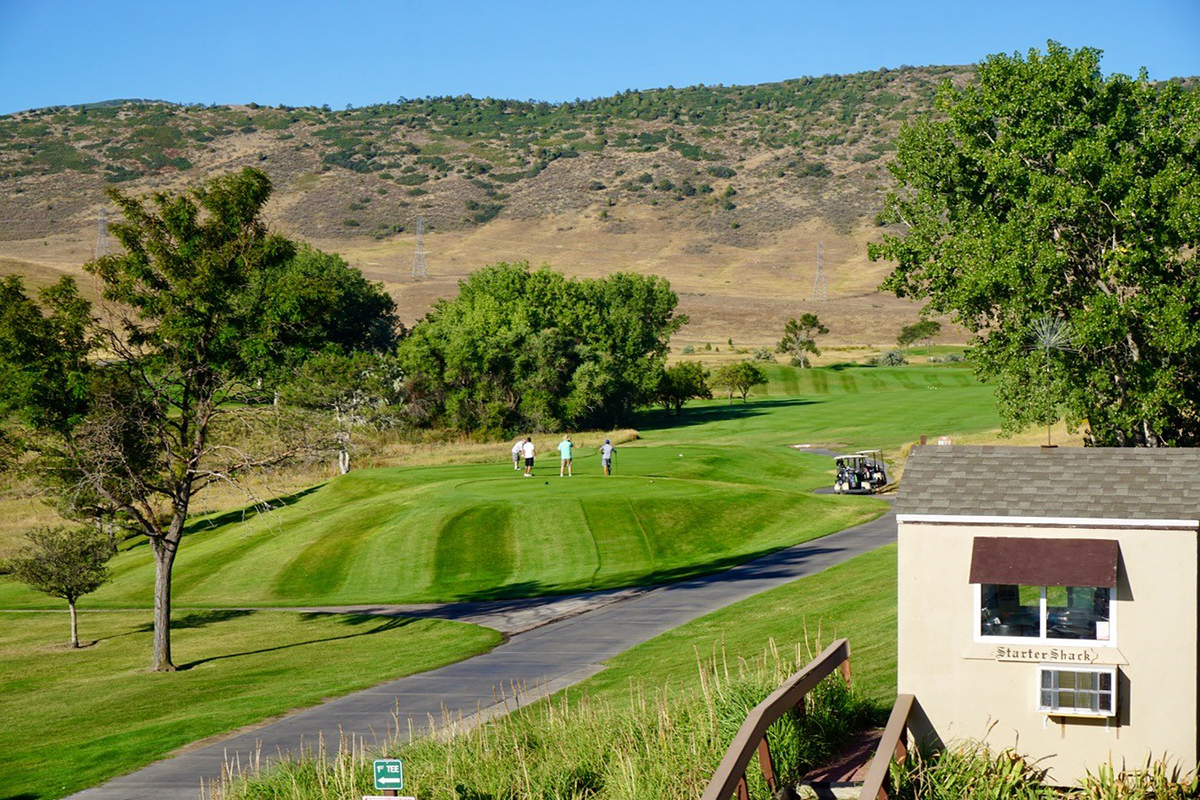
(236, 667)
(481, 531)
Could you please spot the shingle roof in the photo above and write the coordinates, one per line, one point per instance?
(1090, 482)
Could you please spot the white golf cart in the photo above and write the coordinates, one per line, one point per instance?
(863, 472)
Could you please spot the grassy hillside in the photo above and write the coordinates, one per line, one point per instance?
(718, 485)
(726, 191)
(462, 161)
(421, 534)
(656, 722)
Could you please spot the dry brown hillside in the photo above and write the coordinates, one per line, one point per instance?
(726, 191)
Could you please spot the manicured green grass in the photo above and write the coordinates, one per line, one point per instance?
(855, 600)
(851, 406)
(710, 488)
(99, 711)
(650, 725)
(481, 531)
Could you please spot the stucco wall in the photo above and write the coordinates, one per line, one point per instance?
(967, 693)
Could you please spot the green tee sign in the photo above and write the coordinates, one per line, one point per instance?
(389, 773)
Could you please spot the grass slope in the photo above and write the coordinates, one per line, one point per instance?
(236, 667)
(482, 531)
(854, 600)
(848, 405)
(650, 725)
(703, 491)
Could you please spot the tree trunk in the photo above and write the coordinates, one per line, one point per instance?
(164, 559)
(343, 453)
(74, 625)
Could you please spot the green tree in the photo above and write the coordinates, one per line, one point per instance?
(357, 389)
(684, 381)
(925, 330)
(739, 378)
(199, 300)
(523, 349)
(1044, 188)
(316, 301)
(64, 562)
(800, 339)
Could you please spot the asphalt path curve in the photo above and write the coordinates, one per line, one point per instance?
(552, 643)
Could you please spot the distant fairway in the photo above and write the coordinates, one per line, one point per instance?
(717, 486)
(850, 406)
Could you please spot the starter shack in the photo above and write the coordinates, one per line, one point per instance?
(1053, 593)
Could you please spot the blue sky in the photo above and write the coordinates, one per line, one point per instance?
(304, 52)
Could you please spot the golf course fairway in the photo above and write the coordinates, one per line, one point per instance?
(714, 487)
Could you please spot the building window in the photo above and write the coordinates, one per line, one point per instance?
(1045, 613)
(1077, 692)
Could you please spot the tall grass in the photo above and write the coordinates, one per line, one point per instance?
(974, 770)
(661, 745)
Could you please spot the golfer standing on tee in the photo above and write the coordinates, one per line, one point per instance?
(606, 454)
(564, 451)
(517, 450)
(529, 451)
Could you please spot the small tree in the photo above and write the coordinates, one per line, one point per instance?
(740, 378)
(800, 339)
(64, 562)
(685, 381)
(925, 330)
(358, 389)
(1050, 335)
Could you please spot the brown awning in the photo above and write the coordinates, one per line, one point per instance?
(1044, 562)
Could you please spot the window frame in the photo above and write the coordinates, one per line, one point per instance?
(1042, 638)
(1110, 670)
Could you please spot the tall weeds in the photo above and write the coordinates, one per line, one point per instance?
(974, 770)
(664, 744)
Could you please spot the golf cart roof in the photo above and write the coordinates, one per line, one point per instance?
(851, 455)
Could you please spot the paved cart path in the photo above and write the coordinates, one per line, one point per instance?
(547, 656)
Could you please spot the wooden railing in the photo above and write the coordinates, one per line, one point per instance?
(730, 777)
(893, 745)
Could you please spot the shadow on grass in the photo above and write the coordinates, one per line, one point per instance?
(200, 619)
(704, 415)
(381, 625)
(245, 514)
(763, 564)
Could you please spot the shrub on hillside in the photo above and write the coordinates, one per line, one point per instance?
(891, 358)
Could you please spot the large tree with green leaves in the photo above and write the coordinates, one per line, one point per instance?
(522, 349)
(144, 405)
(1047, 189)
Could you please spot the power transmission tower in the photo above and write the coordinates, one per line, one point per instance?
(102, 235)
(419, 269)
(819, 291)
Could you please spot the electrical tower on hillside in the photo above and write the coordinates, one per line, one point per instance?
(419, 269)
(820, 293)
(102, 235)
